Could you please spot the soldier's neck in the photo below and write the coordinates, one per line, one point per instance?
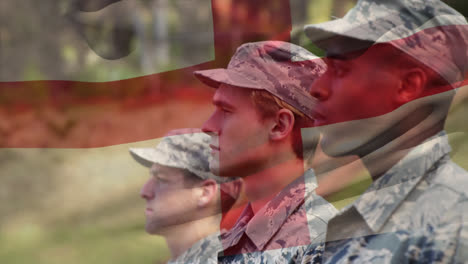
(262, 186)
(181, 237)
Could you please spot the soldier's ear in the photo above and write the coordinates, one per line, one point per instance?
(283, 125)
(207, 193)
(412, 85)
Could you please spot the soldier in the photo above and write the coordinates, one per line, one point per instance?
(261, 101)
(392, 66)
(183, 202)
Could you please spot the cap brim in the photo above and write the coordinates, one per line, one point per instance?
(144, 156)
(323, 31)
(339, 34)
(215, 77)
(149, 156)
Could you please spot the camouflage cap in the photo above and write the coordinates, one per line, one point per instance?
(423, 29)
(189, 151)
(281, 68)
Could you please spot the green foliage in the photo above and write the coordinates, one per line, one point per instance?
(32, 72)
(126, 244)
(319, 11)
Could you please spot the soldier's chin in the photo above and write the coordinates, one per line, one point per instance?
(160, 229)
(152, 229)
(352, 137)
(337, 148)
(223, 171)
(345, 139)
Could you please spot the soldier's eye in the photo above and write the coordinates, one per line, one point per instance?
(162, 181)
(224, 110)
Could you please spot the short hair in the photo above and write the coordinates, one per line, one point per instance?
(267, 105)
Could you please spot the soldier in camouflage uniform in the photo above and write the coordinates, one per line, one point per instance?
(392, 66)
(183, 196)
(260, 103)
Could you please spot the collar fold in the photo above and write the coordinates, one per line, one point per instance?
(262, 226)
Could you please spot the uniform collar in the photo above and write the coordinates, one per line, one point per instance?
(204, 248)
(232, 237)
(380, 200)
(262, 226)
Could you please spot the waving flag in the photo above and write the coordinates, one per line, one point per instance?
(81, 82)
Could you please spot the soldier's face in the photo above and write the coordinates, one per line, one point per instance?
(168, 201)
(355, 87)
(239, 137)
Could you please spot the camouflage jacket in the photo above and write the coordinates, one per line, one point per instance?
(281, 231)
(416, 212)
(205, 251)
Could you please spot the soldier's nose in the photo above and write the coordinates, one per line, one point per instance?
(209, 126)
(147, 191)
(320, 89)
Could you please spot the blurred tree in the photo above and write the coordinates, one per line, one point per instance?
(38, 59)
(340, 7)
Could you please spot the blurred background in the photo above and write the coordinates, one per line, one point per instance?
(81, 81)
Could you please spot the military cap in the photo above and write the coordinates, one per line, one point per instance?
(189, 151)
(281, 68)
(428, 30)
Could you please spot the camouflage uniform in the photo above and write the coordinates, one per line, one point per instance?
(283, 229)
(204, 251)
(416, 212)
